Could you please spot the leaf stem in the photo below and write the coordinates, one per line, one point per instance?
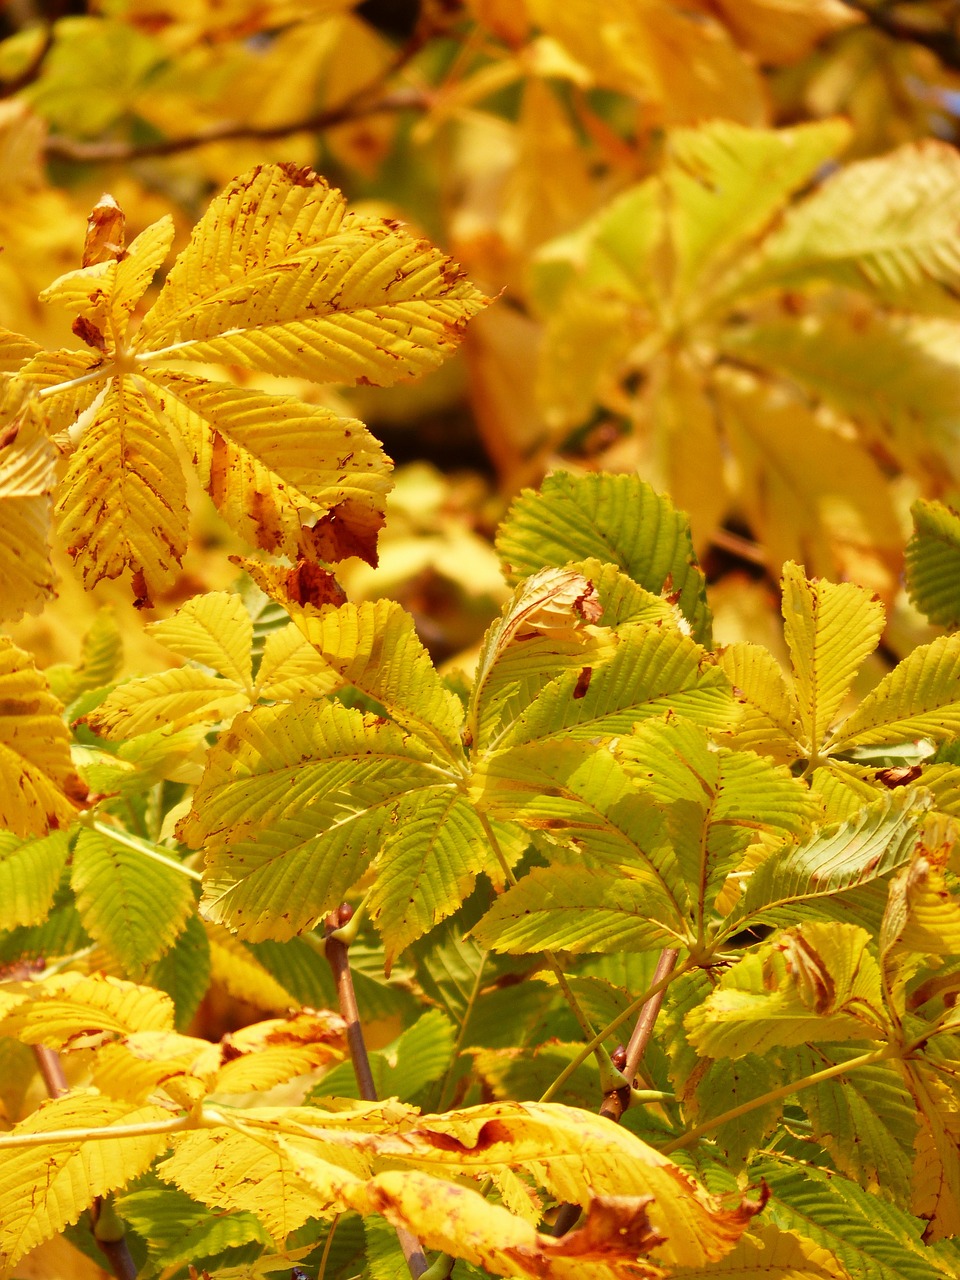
(336, 949)
(614, 1103)
(71, 1137)
(784, 1091)
(654, 989)
(140, 846)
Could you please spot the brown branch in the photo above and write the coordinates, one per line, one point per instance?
(94, 152)
(336, 950)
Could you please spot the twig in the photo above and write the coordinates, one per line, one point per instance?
(616, 1101)
(33, 68)
(95, 152)
(107, 1228)
(336, 948)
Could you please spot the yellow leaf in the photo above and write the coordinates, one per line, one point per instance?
(45, 1188)
(27, 478)
(15, 350)
(781, 32)
(830, 629)
(269, 1053)
(187, 22)
(170, 700)
(55, 1011)
(123, 504)
(683, 63)
(768, 1253)
(214, 630)
(277, 276)
(770, 723)
(291, 667)
(40, 790)
(234, 966)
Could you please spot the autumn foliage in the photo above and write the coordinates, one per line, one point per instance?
(538, 858)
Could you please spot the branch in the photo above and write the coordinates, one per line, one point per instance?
(93, 152)
(336, 951)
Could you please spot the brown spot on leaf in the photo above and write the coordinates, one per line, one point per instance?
(88, 332)
(307, 583)
(583, 682)
(900, 776)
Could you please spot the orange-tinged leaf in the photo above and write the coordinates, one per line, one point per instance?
(455, 1219)
(45, 1188)
(269, 1053)
(27, 477)
(278, 277)
(577, 1156)
(122, 504)
(40, 790)
(292, 478)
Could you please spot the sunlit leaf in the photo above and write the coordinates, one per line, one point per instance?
(30, 871)
(933, 562)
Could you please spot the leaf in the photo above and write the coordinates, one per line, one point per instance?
(123, 504)
(183, 971)
(39, 789)
(933, 562)
(30, 871)
(869, 1235)
(428, 866)
(54, 1011)
(817, 982)
(293, 478)
(651, 671)
(101, 656)
(920, 698)
(458, 1221)
(27, 478)
(579, 1157)
(415, 1059)
(180, 1229)
(559, 908)
(43, 1189)
(374, 647)
(214, 630)
(770, 722)
(830, 629)
(170, 700)
(615, 519)
(768, 1252)
(277, 276)
(839, 857)
(133, 906)
(721, 807)
(883, 225)
(266, 1054)
(866, 1120)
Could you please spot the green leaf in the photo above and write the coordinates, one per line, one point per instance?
(920, 698)
(830, 629)
(183, 972)
(816, 982)
(617, 519)
(29, 874)
(870, 1236)
(718, 804)
(179, 1228)
(866, 1120)
(101, 655)
(563, 909)
(884, 226)
(933, 562)
(428, 865)
(133, 906)
(836, 859)
(653, 670)
(584, 798)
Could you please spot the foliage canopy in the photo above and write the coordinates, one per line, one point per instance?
(365, 832)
